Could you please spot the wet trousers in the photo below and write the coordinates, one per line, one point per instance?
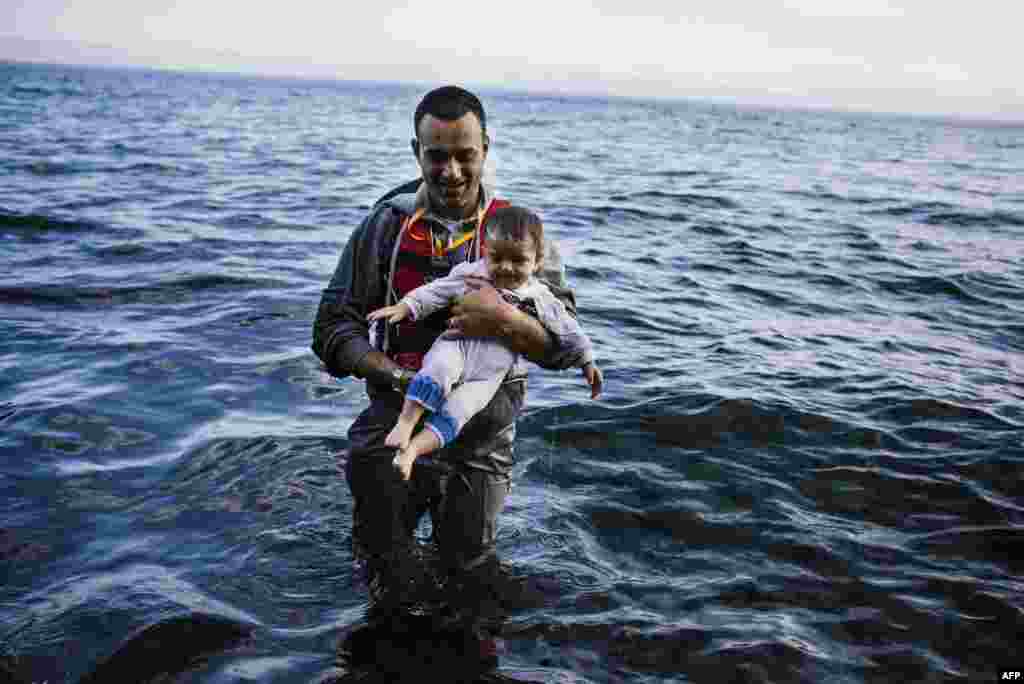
(463, 501)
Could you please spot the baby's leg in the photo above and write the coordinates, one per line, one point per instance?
(487, 363)
(407, 419)
(442, 367)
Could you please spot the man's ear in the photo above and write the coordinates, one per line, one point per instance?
(415, 144)
(487, 144)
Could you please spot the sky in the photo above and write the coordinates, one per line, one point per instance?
(921, 56)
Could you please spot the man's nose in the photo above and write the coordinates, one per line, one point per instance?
(452, 168)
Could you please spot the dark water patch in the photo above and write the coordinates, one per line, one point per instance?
(676, 173)
(1000, 285)
(910, 411)
(712, 267)
(931, 286)
(694, 422)
(945, 214)
(922, 246)
(18, 548)
(610, 213)
(829, 281)
(133, 251)
(564, 179)
(532, 123)
(47, 168)
(764, 296)
(34, 225)
(587, 274)
(172, 291)
(169, 648)
(1000, 544)
(679, 198)
(1002, 474)
(891, 497)
(418, 649)
(642, 324)
(680, 524)
(33, 90)
(691, 302)
(682, 280)
(620, 646)
(832, 197)
(247, 220)
(961, 219)
(149, 167)
(863, 244)
(914, 209)
(714, 230)
(253, 319)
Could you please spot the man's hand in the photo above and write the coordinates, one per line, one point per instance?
(595, 378)
(481, 312)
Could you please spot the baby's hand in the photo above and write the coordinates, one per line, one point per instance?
(395, 313)
(595, 378)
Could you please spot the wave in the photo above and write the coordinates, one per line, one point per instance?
(681, 198)
(162, 292)
(989, 219)
(837, 198)
(944, 214)
(946, 286)
(34, 224)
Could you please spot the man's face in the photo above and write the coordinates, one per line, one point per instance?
(451, 155)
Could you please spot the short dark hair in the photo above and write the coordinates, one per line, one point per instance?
(449, 103)
(516, 224)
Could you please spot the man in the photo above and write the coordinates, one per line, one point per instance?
(416, 233)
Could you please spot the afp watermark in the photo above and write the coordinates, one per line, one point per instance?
(1011, 676)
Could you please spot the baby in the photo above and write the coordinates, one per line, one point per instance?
(459, 375)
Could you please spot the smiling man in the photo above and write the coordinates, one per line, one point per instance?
(417, 233)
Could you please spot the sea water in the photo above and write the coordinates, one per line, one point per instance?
(806, 465)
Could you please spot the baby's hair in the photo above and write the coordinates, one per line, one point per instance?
(516, 224)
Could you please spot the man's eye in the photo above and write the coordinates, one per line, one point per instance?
(437, 157)
(466, 156)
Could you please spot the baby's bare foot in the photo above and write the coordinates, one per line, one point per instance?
(403, 462)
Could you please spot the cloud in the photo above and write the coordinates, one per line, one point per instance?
(873, 51)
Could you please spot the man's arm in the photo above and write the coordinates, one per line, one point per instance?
(340, 332)
(484, 313)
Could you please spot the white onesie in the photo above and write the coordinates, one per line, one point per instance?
(460, 375)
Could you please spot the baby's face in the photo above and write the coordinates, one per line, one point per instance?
(510, 263)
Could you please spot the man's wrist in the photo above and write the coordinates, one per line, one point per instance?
(400, 379)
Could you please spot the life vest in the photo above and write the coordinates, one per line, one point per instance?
(418, 258)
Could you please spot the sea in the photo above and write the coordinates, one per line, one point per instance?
(807, 464)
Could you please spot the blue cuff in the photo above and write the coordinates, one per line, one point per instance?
(424, 391)
(443, 425)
